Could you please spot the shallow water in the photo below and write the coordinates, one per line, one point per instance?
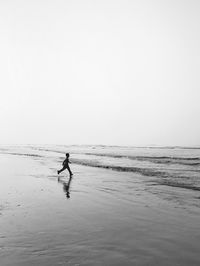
(170, 166)
(110, 217)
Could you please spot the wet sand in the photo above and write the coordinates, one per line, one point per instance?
(102, 217)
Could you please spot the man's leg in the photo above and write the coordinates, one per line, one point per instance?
(70, 172)
(59, 171)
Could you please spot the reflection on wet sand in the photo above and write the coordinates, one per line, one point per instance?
(66, 186)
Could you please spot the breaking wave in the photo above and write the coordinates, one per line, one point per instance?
(154, 159)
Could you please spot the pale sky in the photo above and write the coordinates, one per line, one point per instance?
(115, 72)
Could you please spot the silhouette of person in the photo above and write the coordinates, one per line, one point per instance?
(66, 165)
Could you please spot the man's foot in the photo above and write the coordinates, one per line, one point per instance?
(58, 172)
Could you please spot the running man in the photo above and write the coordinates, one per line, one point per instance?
(66, 165)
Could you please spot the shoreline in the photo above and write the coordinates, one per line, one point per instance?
(111, 218)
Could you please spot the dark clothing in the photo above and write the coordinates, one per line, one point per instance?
(65, 166)
(66, 162)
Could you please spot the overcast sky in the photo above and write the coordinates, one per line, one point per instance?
(123, 72)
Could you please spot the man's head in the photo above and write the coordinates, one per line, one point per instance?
(67, 155)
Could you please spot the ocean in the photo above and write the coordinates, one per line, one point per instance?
(167, 166)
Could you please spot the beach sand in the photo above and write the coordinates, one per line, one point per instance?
(108, 218)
